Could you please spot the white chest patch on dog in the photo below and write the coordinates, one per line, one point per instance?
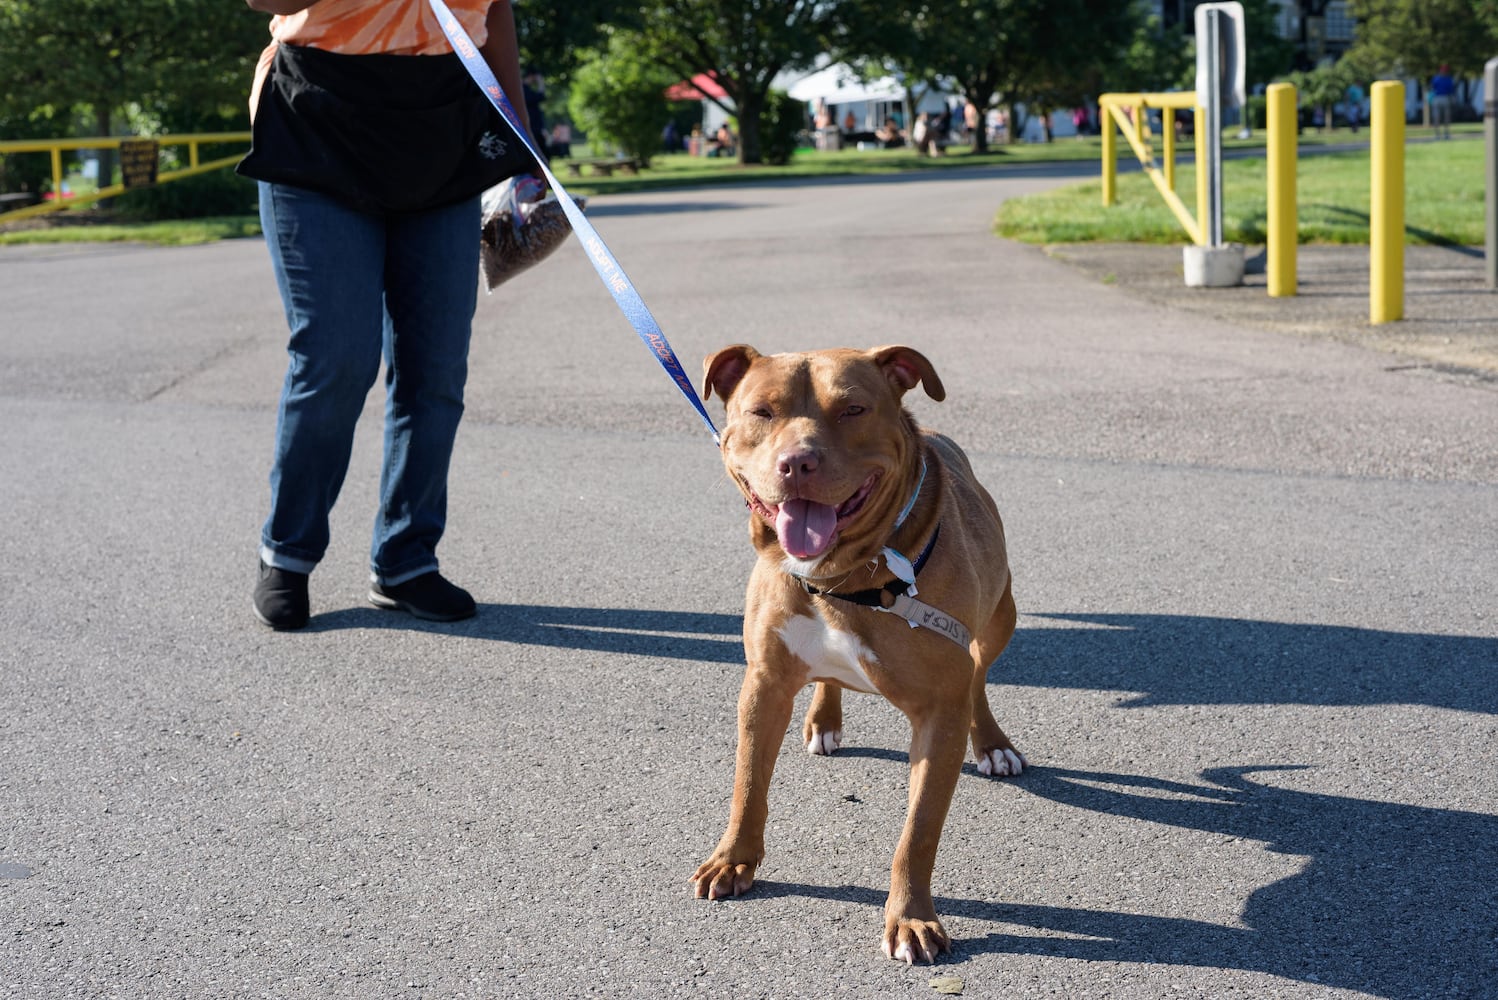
(832, 654)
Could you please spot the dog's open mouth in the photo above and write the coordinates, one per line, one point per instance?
(806, 529)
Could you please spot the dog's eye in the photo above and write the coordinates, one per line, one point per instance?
(854, 411)
(762, 412)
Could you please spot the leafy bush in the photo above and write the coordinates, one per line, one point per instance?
(220, 192)
(780, 128)
(618, 97)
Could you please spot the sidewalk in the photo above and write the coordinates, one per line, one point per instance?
(1451, 317)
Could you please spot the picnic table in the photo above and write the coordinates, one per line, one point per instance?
(605, 167)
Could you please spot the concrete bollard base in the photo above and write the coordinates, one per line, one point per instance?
(1214, 267)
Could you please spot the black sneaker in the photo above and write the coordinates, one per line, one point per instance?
(281, 598)
(428, 597)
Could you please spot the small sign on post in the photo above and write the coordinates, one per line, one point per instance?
(138, 161)
(1231, 73)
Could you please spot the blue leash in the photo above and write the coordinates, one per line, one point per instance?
(608, 268)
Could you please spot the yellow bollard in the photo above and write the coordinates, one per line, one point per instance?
(1110, 155)
(1283, 231)
(1386, 208)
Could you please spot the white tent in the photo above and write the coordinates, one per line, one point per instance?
(838, 84)
(841, 89)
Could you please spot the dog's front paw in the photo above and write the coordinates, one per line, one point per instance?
(1002, 762)
(720, 879)
(822, 743)
(908, 940)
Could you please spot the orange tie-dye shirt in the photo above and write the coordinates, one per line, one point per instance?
(363, 27)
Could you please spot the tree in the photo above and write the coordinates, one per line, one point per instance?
(1164, 58)
(1157, 58)
(1270, 54)
(1043, 53)
(1487, 17)
(618, 94)
(1416, 37)
(182, 58)
(554, 37)
(1322, 88)
(744, 44)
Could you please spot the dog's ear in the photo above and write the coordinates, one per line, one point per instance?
(723, 371)
(905, 368)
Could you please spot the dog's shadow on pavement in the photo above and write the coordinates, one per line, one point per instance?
(1183, 660)
(1395, 900)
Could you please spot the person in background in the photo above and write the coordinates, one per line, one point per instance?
(941, 129)
(890, 133)
(560, 145)
(375, 252)
(1442, 92)
(723, 143)
(534, 87)
(1355, 97)
(824, 128)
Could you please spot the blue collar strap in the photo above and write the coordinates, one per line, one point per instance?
(910, 504)
(898, 564)
(608, 268)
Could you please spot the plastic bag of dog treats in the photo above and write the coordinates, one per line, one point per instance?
(519, 228)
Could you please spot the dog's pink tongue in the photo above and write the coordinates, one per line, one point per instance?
(805, 528)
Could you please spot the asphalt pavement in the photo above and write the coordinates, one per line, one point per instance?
(1256, 673)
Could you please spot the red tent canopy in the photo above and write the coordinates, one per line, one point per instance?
(700, 87)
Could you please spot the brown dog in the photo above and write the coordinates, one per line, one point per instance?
(847, 496)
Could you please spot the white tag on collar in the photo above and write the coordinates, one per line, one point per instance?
(902, 568)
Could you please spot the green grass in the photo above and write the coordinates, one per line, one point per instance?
(169, 232)
(1443, 202)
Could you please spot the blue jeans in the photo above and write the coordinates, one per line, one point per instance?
(358, 286)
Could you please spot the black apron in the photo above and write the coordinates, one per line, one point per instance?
(382, 133)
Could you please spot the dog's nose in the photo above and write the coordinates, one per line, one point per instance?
(793, 465)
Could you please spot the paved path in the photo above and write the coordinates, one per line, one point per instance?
(1257, 668)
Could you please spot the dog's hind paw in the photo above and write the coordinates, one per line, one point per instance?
(822, 744)
(1003, 763)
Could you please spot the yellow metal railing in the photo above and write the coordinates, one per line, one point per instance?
(1130, 113)
(56, 147)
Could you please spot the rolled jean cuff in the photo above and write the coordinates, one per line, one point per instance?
(279, 560)
(396, 579)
